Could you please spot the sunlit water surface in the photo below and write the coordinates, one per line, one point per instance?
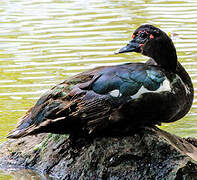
(42, 42)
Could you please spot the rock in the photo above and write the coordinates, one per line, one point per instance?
(148, 154)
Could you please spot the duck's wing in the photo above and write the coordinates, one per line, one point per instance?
(89, 100)
(61, 109)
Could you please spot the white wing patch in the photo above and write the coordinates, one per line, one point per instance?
(115, 93)
(164, 87)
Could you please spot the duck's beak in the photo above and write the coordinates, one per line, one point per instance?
(133, 46)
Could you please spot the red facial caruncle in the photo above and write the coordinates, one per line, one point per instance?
(151, 36)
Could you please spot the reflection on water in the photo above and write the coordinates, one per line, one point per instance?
(23, 174)
(44, 42)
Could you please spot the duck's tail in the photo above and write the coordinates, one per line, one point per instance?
(21, 129)
(27, 128)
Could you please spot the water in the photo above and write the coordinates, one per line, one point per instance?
(22, 174)
(42, 42)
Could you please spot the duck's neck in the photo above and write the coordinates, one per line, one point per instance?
(182, 73)
(189, 90)
(165, 56)
(166, 59)
(163, 53)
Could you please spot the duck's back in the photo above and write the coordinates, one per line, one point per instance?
(108, 99)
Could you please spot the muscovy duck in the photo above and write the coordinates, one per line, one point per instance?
(116, 99)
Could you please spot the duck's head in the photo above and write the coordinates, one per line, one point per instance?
(154, 43)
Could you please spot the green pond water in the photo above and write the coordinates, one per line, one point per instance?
(42, 42)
